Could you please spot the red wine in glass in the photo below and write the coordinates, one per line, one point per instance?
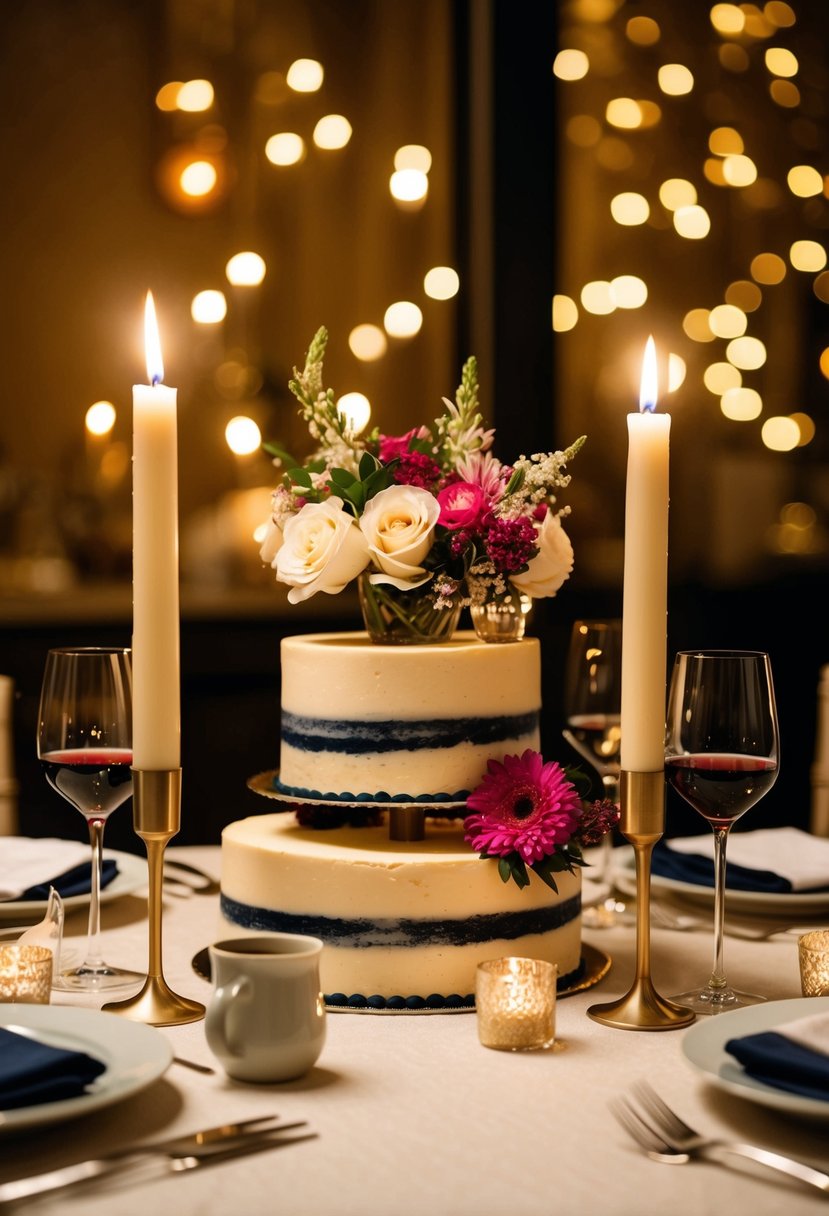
(721, 787)
(94, 780)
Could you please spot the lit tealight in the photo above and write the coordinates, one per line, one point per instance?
(208, 307)
(100, 418)
(402, 319)
(243, 435)
(441, 283)
(355, 408)
(245, 269)
(198, 178)
(285, 148)
(409, 185)
(333, 131)
(305, 76)
(413, 156)
(195, 96)
(367, 342)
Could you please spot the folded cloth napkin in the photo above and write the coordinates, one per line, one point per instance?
(32, 1072)
(794, 1057)
(28, 867)
(800, 862)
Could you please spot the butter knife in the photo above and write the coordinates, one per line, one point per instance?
(206, 1143)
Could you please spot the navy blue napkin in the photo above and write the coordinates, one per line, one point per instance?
(76, 881)
(32, 1072)
(777, 1060)
(690, 867)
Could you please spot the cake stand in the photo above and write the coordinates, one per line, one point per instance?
(407, 820)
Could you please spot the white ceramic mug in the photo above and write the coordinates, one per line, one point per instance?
(266, 1018)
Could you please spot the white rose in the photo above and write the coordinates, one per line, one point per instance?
(551, 565)
(322, 550)
(399, 525)
(272, 543)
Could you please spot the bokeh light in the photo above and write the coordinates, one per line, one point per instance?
(768, 268)
(597, 298)
(643, 31)
(807, 255)
(194, 96)
(100, 418)
(780, 434)
(441, 283)
(726, 321)
(741, 404)
(727, 19)
(198, 178)
(413, 156)
(695, 325)
(675, 79)
(305, 76)
(781, 62)
(624, 112)
(739, 170)
(333, 131)
(356, 409)
(571, 65)
(208, 307)
(246, 269)
(402, 319)
(744, 294)
(408, 185)
(806, 426)
(693, 222)
(718, 378)
(285, 148)
(628, 291)
(676, 192)
(367, 342)
(630, 208)
(243, 436)
(804, 181)
(565, 313)
(725, 141)
(746, 353)
(677, 371)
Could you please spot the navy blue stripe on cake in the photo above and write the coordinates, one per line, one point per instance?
(301, 792)
(360, 933)
(355, 738)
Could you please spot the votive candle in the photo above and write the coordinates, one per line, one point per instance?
(515, 1002)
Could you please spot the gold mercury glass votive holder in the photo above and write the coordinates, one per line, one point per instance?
(25, 974)
(515, 1002)
(813, 953)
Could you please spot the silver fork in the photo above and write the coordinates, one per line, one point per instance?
(660, 1132)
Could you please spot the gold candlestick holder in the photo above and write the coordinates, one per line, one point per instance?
(157, 818)
(642, 822)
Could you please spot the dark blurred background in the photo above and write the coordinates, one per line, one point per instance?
(591, 172)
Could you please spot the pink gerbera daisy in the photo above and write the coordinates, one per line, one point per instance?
(522, 806)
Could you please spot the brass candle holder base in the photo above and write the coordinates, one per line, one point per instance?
(642, 822)
(157, 818)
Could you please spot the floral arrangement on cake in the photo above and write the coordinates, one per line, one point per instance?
(427, 521)
(529, 814)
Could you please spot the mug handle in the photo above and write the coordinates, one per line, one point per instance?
(219, 1009)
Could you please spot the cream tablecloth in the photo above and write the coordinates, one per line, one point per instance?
(415, 1117)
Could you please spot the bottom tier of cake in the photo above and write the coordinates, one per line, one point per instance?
(403, 924)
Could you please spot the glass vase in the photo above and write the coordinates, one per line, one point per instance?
(404, 618)
(503, 619)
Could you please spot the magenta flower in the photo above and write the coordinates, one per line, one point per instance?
(417, 469)
(522, 806)
(394, 446)
(511, 543)
(462, 505)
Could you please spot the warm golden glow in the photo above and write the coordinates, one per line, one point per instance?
(781, 62)
(194, 96)
(727, 19)
(693, 223)
(441, 283)
(643, 31)
(718, 378)
(571, 65)
(100, 418)
(768, 268)
(597, 298)
(779, 13)
(677, 370)
(208, 307)
(780, 434)
(285, 148)
(367, 342)
(565, 313)
(624, 112)
(402, 319)
(356, 409)
(614, 154)
(695, 325)
(785, 93)
(649, 383)
(746, 353)
(734, 58)
(741, 404)
(824, 362)
(630, 209)
(725, 141)
(807, 255)
(651, 112)
(245, 269)
(413, 156)
(152, 342)
(243, 436)
(804, 181)
(628, 291)
(167, 96)
(198, 178)
(675, 79)
(726, 321)
(712, 168)
(739, 170)
(806, 426)
(583, 130)
(333, 131)
(821, 287)
(409, 185)
(305, 76)
(744, 294)
(676, 192)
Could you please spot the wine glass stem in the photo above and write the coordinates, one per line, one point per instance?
(94, 960)
(718, 980)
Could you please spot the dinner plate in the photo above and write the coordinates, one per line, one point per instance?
(704, 1047)
(134, 1055)
(760, 903)
(132, 874)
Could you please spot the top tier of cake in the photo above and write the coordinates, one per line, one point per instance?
(369, 723)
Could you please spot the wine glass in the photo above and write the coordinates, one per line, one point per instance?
(721, 756)
(593, 701)
(84, 745)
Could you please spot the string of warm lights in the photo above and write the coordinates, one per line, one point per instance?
(748, 42)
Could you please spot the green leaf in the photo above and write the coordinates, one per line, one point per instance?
(504, 869)
(342, 478)
(515, 482)
(281, 454)
(519, 870)
(368, 465)
(300, 477)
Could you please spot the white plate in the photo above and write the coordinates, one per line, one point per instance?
(704, 1047)
(132, 874)
(134, 1055)
(747, 903)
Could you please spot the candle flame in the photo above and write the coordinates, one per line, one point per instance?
(152, 343)
(648, 388)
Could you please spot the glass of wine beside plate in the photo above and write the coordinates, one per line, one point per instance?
(84, 745)
(721, 756)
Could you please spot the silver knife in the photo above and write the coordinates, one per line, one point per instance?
(203, 1144)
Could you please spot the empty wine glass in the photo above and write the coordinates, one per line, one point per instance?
(721, 755)
(593, 703)
(84, 745)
